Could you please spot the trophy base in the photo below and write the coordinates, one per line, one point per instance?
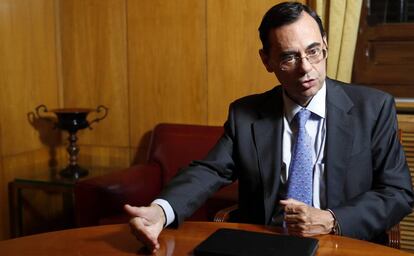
(73, 172)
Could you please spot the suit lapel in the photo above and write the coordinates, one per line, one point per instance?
(339, 132)
(267, 133)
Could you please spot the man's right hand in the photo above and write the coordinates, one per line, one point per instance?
(146, 224)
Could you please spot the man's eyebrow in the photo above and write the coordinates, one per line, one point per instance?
(313, 45)
(288, 53)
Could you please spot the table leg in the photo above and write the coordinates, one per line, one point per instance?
(69, 209)
(15, 210)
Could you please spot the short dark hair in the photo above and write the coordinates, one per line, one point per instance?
(284, 14)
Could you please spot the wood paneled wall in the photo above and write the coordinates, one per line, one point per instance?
(167, 58)
(28, 77)
(233, 63)
(148, 61)
(93, 38)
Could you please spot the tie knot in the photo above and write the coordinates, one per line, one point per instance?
(302, 117)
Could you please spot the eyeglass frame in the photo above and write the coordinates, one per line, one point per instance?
(299, 59)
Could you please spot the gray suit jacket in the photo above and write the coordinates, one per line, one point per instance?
(367, 179)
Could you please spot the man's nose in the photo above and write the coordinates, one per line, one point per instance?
(305, 65)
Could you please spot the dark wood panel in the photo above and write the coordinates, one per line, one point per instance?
(388, 31)
(391, 52)
(398, 90)
(384, 57)
(391, 74)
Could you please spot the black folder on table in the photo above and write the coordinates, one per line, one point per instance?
(233, 242)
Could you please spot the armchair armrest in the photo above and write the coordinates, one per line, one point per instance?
(394, 237)
(104, 196)
(227, 214)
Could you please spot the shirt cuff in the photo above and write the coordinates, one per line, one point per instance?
(168, 210)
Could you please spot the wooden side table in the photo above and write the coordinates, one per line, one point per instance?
(49, 184)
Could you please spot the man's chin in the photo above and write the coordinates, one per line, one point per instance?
(310, 92)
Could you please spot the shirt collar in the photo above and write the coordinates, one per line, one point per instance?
(317, 105)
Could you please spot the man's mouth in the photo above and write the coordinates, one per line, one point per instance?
(307, 83)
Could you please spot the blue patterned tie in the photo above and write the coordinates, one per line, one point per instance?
(299, 184)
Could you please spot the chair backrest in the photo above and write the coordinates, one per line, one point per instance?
(174, 146)
(394, 236)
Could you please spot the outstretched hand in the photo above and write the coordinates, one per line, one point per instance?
(146, 224)
(304, 220)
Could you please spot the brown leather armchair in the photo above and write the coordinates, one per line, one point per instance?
(100, 200)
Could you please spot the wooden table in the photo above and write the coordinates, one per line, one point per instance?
(117, 240)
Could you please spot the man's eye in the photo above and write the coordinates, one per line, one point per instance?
(313, 51)
(289, 58)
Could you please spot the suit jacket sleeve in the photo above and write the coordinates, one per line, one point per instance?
(390, 198)
(193, 185)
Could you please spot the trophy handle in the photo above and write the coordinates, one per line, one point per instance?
(42, 108)
(99, 109)
(42, 112)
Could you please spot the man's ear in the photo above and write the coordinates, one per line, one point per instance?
(265, 59)
(325, 41)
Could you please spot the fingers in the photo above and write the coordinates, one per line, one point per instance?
(304, 220)
(141, 228)
(132, 211)
(298, 224)
(300, 229)
(146, 224)
(296, 217)
(297, 229)
(296, 209)
(291, 201)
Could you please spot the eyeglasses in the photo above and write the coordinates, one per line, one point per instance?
(313, 55)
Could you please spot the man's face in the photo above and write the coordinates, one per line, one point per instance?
(298, 39)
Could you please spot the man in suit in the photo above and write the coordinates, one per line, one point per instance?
(360, 182)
